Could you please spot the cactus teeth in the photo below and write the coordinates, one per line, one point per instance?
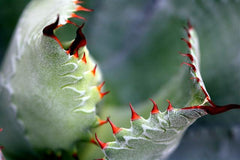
(94, 70)
(81, 8)
(84, 59)
(101, 122)
(78, 2)
(170, 107)
(135, 116)
(190, 65)
(155, 109)
(115, 129)
(101, 144)
(92, 140)
(78, 42)
(99, 88)
(187, 55)
(187, 42)
(49, 31)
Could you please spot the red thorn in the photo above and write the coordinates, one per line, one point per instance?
(78, 2)
(190, 65)
(48, 31)
(1, 129)
(188, 43)
(81, 8)
(79, 41)
(170, 107)
(76, 54)
(94, 70)
(99, 87)
(101, 122)
(216, 109)
(102, 94)
(196, 78)
(71, 22)
(1, 147)
(155, 109)
(189, 25)
(92, 140)
(100, 159)
(84, 58)
(187, 55)
(101, 144)
(115, 129)
(135, 116)
(74, 15)
(187, 30)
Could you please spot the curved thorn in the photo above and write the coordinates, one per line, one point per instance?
(101, 144)
(170, 107)
(187, 31)
(84, 58)
(189, 25)
(71, 22)
(187, 55)
(74, 15)
(49, 31)
(215, 110)
(190, 65)
(99, 87)
(115, 129)
(102, 122)
(78, 42)
(78, 2)
(155, 109)
(102, 94)
(92, 140)
(196, 78)
(76, 54)
(94, 70)
(135, 116)
(187, 42)
(81, 8)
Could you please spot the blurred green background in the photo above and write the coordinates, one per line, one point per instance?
(136, 44)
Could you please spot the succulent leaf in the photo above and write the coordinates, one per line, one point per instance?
(50, 92)
(159, 135)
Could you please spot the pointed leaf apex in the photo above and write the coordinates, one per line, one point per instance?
(135, 116)
(155, 109)
(170, 107)
(101, 144)
(115, 129)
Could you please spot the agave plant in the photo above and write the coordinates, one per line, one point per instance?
(51, 85)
